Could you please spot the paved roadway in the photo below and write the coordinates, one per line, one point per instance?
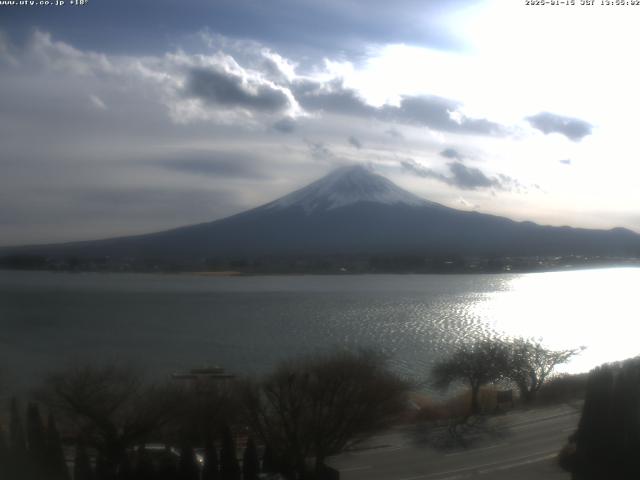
(520, 445)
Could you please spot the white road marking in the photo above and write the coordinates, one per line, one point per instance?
(374, 451)
(354, 469)
(487, 467)
(464, 452)
(519, 464)
(528, 423)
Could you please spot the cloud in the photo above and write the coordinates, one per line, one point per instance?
(285, 125)
(331, 97)
(219, 164)
(225, 89)
(217, 88)
(470, 178)
(430, 111)
(565, 161)
(319, 151)
(392, 132)
(461, 176)
(277, 67)
(97, 102)
(414, 167)
(572, 128)
(439, 114)
(355, 142)
(452, 153)
(467, 204)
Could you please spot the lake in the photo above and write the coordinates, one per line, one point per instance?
(165, 323)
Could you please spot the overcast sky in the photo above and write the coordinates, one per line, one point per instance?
(122, 117)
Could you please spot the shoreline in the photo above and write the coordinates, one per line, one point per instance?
(346, 273)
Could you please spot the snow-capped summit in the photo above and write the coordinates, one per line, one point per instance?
(347, 186)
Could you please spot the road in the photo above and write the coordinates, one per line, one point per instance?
(521, 445)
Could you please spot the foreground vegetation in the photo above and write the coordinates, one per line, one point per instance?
(124, 428)
(524, 363)
(113, 425)
(607, 440)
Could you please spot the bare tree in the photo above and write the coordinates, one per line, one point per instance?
(204, 411)
(110, 408)
(318, 406)
(475, 364)
(531, 364)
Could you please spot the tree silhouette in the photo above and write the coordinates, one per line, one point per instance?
(229, 467)
(82, 465)
(167, 467)
(105, 469)
(187, 467)
(144, 467)
(269, 462)
(474, 364)
(531, 364)
(250, 461)
(18, 462)
(317, 406)
(4, 455)
(112, 406)
(36, 442)
(608, 437)
(126, 471)
(55, 461)
(211, 469)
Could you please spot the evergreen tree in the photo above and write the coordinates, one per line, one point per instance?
(144, 466)
(103, 470)
(55, 461)
(82, 465)
(36, 442)
(211, 469)
(229, 468)
(250, 461)
(269, 463)
(167, 470)
(608, 436)
(18, 461)
(4, 455)
(125, 470)
(187, 468)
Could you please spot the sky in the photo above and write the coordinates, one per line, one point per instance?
(121, 117)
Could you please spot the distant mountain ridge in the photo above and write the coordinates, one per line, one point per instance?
(352, 211)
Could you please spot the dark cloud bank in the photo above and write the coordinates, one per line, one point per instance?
(430, 111)
(354, 142)
(452, 153)
(572, 128)
(461, 176)
(314, 27)
(226, 89)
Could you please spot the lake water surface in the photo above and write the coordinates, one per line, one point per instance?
(246, 324)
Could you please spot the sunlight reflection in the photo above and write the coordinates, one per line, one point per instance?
(592, 308)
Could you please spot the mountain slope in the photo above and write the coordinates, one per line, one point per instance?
(353, 211)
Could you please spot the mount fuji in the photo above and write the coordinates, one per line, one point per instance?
(352, 211)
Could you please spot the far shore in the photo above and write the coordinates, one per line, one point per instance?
(222, 273)
(631, 263)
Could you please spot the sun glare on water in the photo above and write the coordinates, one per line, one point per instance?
(596, 309)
